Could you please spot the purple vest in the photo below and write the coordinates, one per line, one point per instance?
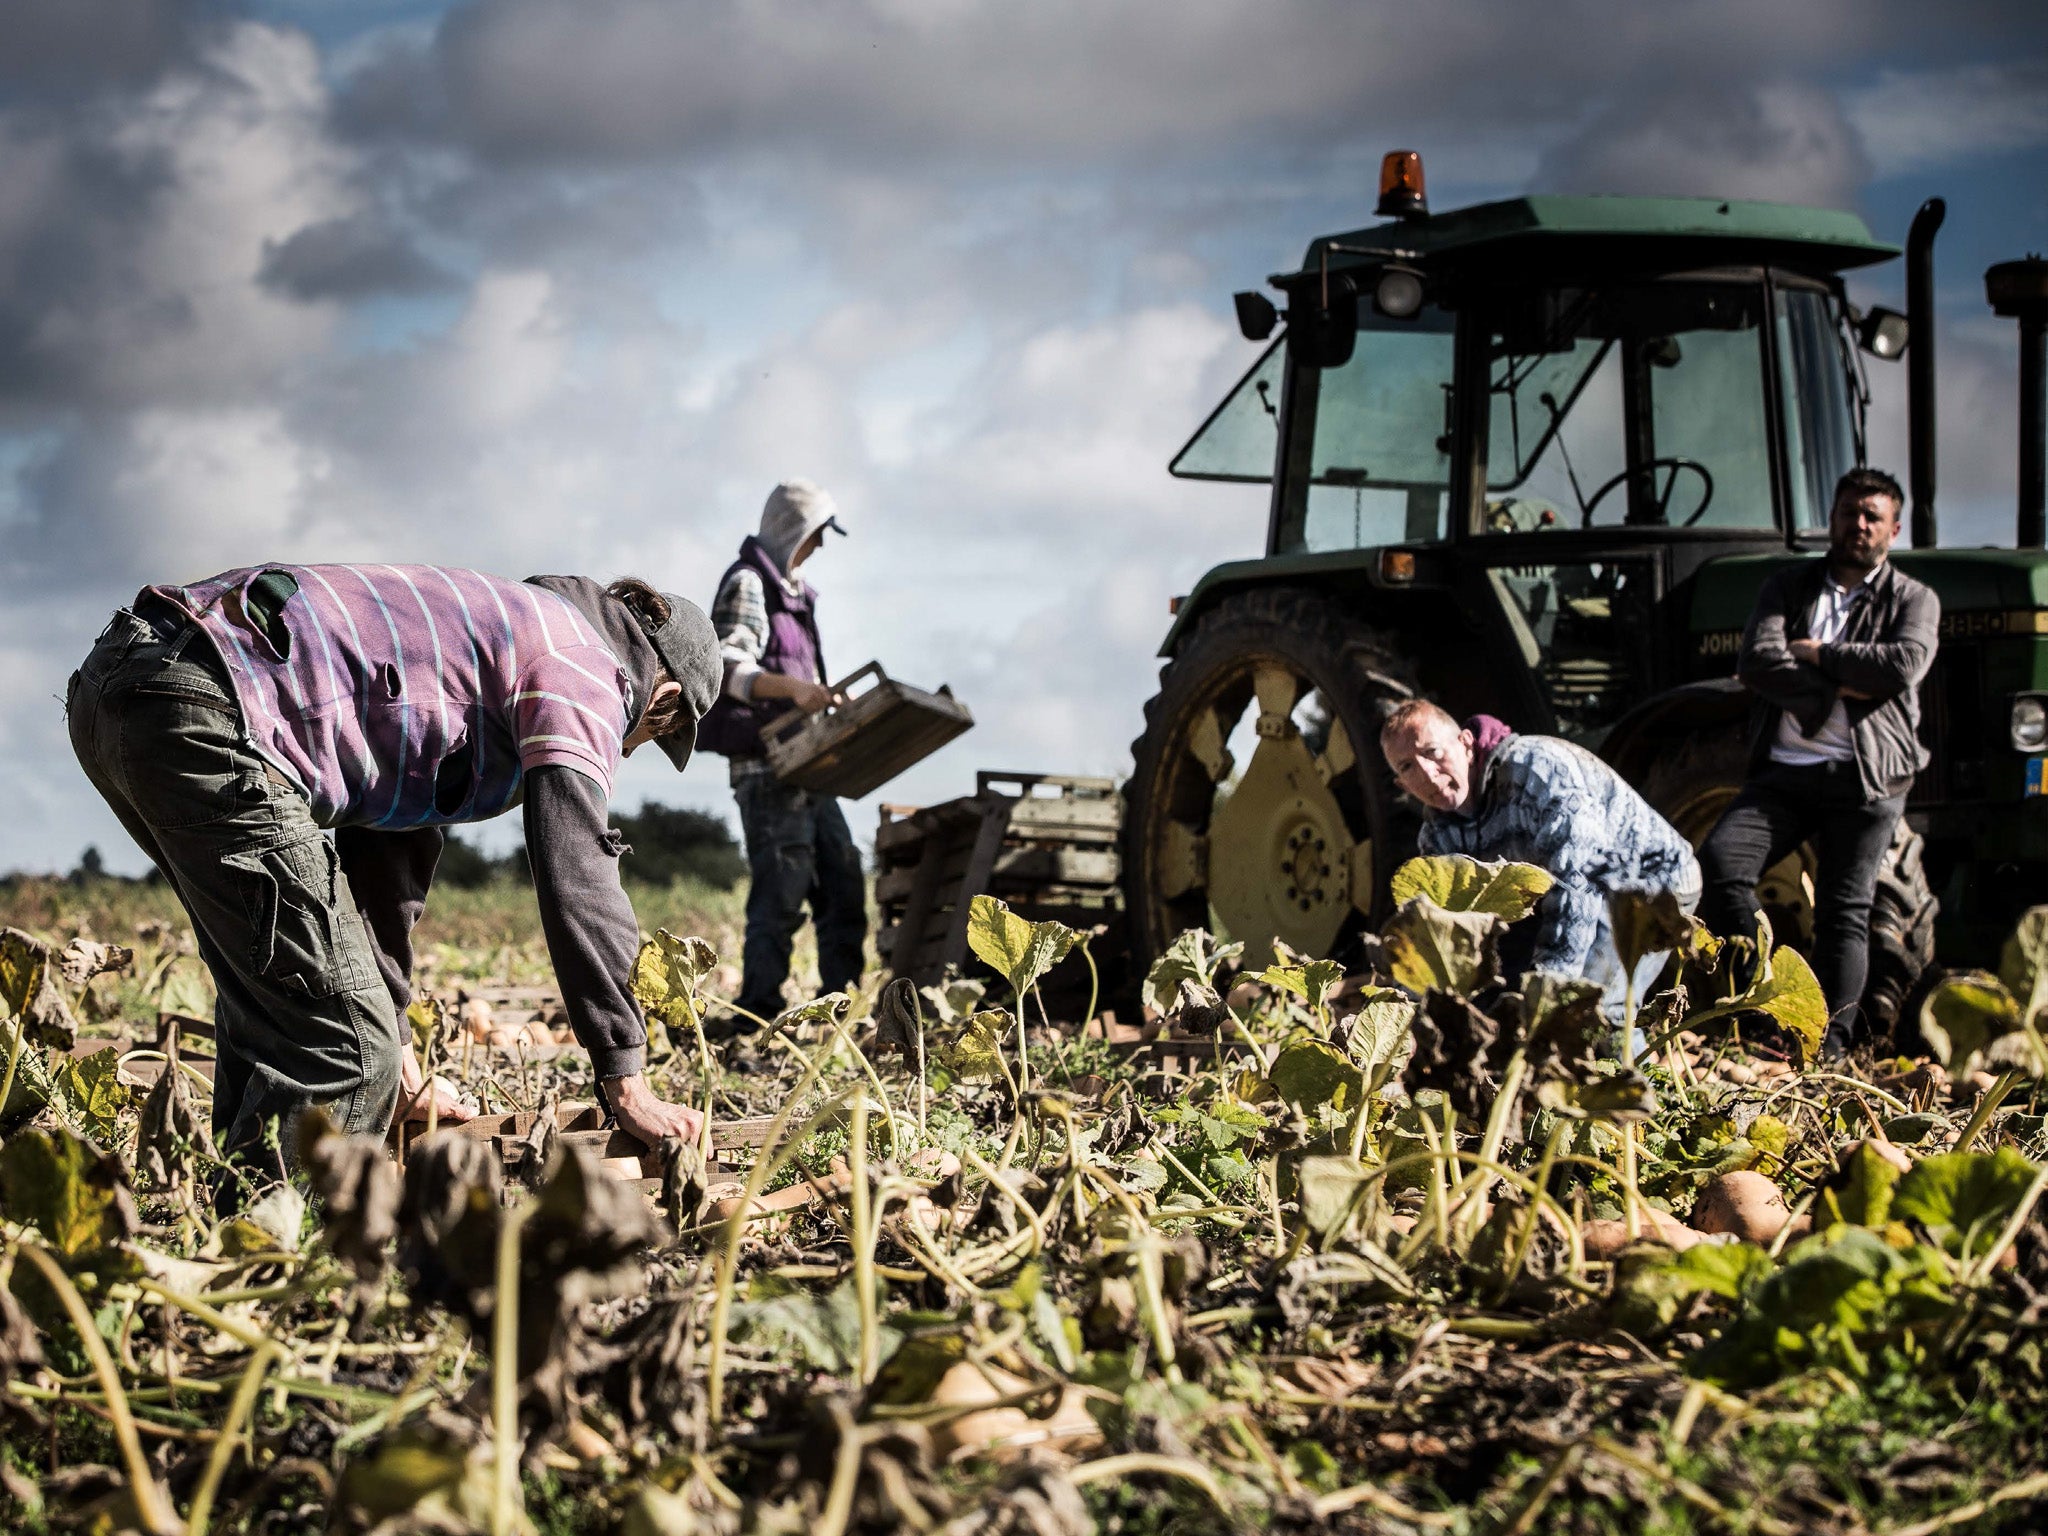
(733, 729)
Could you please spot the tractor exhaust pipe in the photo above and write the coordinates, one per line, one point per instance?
(2018, 290)
(1920, 366)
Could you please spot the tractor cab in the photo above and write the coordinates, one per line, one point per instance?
(1558, 409)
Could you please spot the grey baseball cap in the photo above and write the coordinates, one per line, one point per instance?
(688, 648)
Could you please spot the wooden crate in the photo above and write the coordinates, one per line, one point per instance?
(858, 746)
(1047, 844)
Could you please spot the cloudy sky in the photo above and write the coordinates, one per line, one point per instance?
(566, 285)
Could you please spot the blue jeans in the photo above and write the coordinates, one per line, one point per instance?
(798, 850)
(302, 1016)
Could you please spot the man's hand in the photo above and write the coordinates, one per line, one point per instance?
(646, 1114)
(417, 1098)
(1807, 651)
(810, 697)
(807, 696)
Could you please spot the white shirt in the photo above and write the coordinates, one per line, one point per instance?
(1832, 743)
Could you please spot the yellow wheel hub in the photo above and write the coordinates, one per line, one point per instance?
(1282, 862)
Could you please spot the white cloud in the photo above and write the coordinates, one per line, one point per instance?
(1916, 120)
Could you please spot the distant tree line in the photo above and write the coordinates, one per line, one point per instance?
(667, 843)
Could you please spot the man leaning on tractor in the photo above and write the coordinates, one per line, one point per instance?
(1834, 653)
(798, 847)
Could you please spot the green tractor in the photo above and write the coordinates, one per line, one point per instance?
(1534, 458)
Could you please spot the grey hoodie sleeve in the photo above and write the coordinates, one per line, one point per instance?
(389, 875)
(592, 934)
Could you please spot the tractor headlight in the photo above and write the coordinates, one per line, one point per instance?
(2029, 723)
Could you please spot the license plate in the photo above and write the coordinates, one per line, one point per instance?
(2037, 775)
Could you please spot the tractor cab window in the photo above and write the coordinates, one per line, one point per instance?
(1241, 436)
(1640, 405)
(1380, 450)
(1821, 392)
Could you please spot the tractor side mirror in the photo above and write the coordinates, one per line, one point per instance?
(1883, 333)
(1256, 315)
(1322, 320)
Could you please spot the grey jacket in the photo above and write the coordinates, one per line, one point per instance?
(1884, 653)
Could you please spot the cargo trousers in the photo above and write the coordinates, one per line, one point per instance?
(303, 1016)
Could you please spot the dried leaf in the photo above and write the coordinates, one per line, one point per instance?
(28, 972)
(1562, 1024)
(21, 1345)
(172, 1138)
(1647, 923)
(82, 959)
(899, 1019)
(357, 1192)
(1620, 1098)
(1459, 1051)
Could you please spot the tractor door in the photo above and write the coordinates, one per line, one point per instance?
(1629, 435)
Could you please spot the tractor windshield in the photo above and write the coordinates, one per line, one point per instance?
(1380, 453)
(1641, 403)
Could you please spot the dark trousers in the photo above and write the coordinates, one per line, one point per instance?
(302, 1015)
(798, 850)
(1777, 810)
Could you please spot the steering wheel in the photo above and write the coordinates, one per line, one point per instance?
(1650, 467)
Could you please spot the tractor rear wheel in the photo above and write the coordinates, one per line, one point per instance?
(1296, 842)
(1692, 783)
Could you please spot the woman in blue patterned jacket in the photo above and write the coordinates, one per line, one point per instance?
(1538, 800)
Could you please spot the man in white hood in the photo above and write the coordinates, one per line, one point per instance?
(798, 847)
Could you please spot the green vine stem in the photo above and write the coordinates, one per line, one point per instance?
(152, 1504)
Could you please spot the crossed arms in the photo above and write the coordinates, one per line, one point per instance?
(1805, 677)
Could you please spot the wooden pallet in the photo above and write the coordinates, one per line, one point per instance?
(1047, 844)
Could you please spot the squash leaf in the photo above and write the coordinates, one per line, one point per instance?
(1963, 1199)
(90, 1093)
(1460, 884)
(1971, 1020)
(1018, 950)
(1425, 946)
(1310, 1074)
(1194, 956)
(666, 975)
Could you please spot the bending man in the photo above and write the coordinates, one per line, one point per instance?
(1491, 794)
(229, 721)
